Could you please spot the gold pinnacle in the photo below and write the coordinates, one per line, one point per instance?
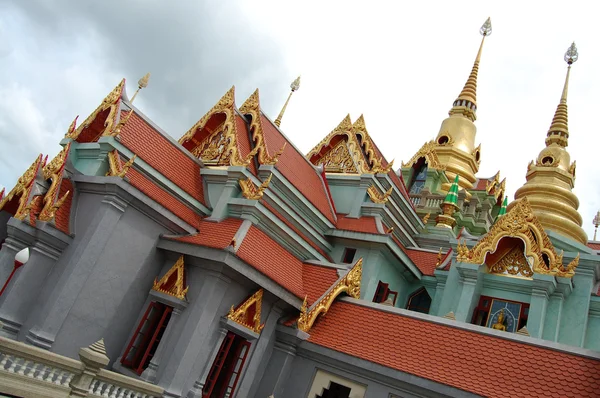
(294, 87)
(142, 83)
(596, 224)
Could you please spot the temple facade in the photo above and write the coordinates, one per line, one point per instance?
(228, 263)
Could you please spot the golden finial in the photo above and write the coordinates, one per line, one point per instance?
(426, 218)
(294, 87)
(466, 103)
(558, 133)
(142, 83)
(439, 258)
(596, 222)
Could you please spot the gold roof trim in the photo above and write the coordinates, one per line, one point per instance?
(116, 168)
(359, 127)
(111, 101)
(54, 170)
(520, 222)
(57, 163)
(176, 290)
(376, 196)
(23, 188)
(240, 314)
(222, 143)
(251, 191)
(427, 151)
(349, 284)
(252, 107)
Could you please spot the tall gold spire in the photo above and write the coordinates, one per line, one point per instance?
(142, 83)
(550, 180)
(558, 133)
(466, 103)
(294, 86)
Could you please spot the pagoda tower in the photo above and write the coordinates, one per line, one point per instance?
(551, 178)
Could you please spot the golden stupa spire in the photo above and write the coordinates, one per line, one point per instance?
(466, 103)
(558, 133)
(294, 86)
(551, 178)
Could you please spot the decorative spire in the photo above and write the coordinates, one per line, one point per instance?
(558, 133)
(596, 222)
(452, 196)
(294, 86)
(466, 103)
(503, 208)
(449, 207)
(142, 83)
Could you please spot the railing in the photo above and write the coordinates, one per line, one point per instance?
(28, 371)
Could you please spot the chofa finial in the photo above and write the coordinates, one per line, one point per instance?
(486, 28)
(571, 55)
(295, 84)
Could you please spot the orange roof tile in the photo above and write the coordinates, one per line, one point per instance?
(481, 184)
(63, 214)
(268, 257)
(425, 261)
(593, 245)
(150, 146)
(212, 234)
(317, 279)
(364, 224)
(483, 364)
(296, 230)
(297, 169)
(163, 197)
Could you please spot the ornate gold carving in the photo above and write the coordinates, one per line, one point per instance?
(439, 258)
(338, 159)
(349, 284)
(244, 317)
(119, 126)
(251, 191)
(427, 151)
(51, 201)
(72, 127)
(173, 284)
(569, 270)
(513, 263)
(519, 222)
(360, 129)
(110, 102)
(115, 167)
(499, 325)
(376, 197)
(23, 188)
(221, 145)
(252, 107)
(57, 163)
(426, 218)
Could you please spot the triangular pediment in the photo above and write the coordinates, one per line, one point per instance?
(427, 152)
(173, 282)
(248, 313)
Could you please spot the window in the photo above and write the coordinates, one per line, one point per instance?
(419, 176)
(419, 301)
(514, 314)
(147, 336)
(335, 390)
(383, 293)
(227, 367)
(349, 254)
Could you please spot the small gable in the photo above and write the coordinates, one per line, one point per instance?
(247, 313)
(173, 282)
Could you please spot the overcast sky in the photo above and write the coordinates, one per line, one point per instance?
(400, 65)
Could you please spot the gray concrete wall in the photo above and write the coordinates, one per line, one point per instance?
(4, 217)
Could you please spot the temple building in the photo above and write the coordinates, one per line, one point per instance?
(228, 263)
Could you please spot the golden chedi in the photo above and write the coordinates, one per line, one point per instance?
(456, 140)
(551, 178)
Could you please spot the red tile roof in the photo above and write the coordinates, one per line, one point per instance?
(364, 224)
(243, 141)
(170, 160)
(480, 184)
(268, 257)
(425, 261)
(297, 169)
(296, 230)
(317, 279)
(593, 245)
(63, 214)
(212, 234)
(483, 364)
(163, 197)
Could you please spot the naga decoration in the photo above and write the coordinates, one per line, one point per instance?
(119, 126)
(252, 107)
(218, 146)
(520, 222)
(111, 102)
(496, 187)
(251, 191)
(54, 171)
(377, 197)
(427, 152)
(172, 283)
(116, 168)
(23, 189)
(349, 284)
(349, 149)
(247, 314)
